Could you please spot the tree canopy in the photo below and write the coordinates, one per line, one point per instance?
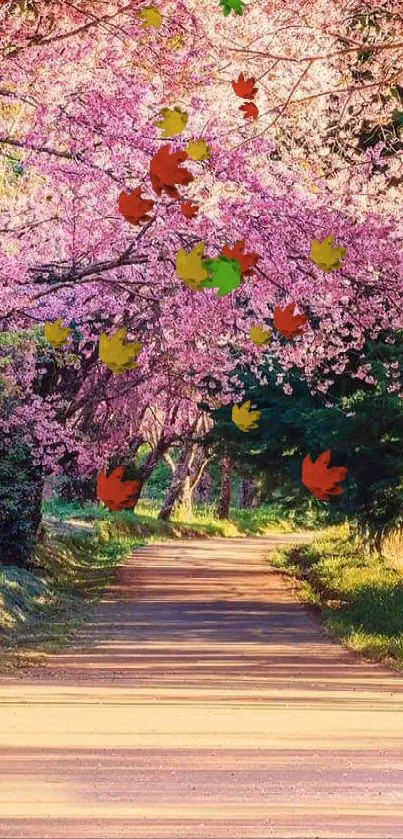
(260, 143)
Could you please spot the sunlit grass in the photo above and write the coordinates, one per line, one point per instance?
(360, 595)
(143, 520)
(40, 608)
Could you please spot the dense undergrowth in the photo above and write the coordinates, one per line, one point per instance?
(360, 597)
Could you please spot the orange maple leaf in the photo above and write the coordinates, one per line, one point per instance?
(244, 87)
(287, 322)
(133, 207)
(188, 209)
(246, 260)
(115, 493)
(250, 110)
(165, 171)
(320, 479)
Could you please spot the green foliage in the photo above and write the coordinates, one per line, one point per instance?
(158, 483)
(39, 608)
(22, 595)
(15, 165)
(142, 523)
(360, 597)
(362, 425)
(61, 510)
(234, 5)
(18, 505)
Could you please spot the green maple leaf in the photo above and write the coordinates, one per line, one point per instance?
(225, 274)
(234, 5)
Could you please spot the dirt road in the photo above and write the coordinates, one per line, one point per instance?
(202, 701)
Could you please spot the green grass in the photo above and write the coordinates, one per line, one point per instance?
(144, 522)
(360, 597)
(41, 607)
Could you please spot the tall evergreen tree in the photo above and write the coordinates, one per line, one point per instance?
(361, 423)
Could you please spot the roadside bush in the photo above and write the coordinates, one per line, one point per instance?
(20, 513)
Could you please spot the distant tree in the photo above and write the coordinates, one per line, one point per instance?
(360, 422)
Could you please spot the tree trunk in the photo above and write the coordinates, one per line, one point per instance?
(152, 459)
(225, 489)
(187, 496)
(247, 490)
(36, 515)
(203, 489)
(176, 489)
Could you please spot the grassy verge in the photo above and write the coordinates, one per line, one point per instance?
(360, 598)
(144, 522)
(40, 608)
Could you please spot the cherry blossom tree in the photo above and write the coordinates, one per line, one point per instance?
(66, 251)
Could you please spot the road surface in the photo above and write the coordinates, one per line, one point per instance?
(201, 700)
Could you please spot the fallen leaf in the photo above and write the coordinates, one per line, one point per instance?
(165, 171)
(250, 110)
(56, 334)
(133, 207)
(246, 260)
(173, 121)
(259, 335)
(244, 87)
(325, 256)
(197, 150)
(151, 17)
(320, 479)
(188, 209)
(244, 417)
(288, 323)
(115, 493)
(115, 354)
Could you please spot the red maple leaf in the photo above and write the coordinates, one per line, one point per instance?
(320, 479)
(244, 87)
(133, 207)
(287, 322)
(165, 171)
(188, 209)
(115, 493)
(246, 260)
(250, 110)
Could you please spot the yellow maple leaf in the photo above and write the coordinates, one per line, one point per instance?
(312, 187)
(189, 266)
(151, 17)
(259, 335)
(56, 334)
(175, 43)
(197, 150)
(173, 121)
(325, 256)
(117, 355)
(244, 417)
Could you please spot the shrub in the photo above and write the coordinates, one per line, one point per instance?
(20, 495)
